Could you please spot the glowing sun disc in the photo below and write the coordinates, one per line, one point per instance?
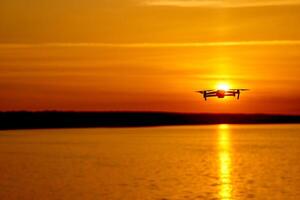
(223, 86)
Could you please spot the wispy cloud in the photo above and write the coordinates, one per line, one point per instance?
(219, 3)
(153, 45)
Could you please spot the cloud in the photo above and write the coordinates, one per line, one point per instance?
(154, 45)
(219, 3)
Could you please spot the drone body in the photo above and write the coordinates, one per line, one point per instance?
(220, 93)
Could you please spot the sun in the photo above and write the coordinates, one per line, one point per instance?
(223, 86)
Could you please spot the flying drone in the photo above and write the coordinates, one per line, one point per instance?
(222, 93)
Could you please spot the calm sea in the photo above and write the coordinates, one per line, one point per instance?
(180, 162)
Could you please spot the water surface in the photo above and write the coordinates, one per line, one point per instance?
(179, 162)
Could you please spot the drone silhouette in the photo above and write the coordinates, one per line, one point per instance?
(221, 93)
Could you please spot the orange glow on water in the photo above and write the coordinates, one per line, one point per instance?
(225, 191)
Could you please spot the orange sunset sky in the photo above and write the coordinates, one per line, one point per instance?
(149, 55)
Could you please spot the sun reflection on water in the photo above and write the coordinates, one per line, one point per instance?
(225, 191)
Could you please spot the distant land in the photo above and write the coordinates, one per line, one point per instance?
(53, 119)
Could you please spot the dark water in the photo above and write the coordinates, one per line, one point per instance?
(186, 162)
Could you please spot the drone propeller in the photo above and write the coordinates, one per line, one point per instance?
(240, 89)
(204, 91)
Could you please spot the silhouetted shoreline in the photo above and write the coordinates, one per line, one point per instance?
(34, 120)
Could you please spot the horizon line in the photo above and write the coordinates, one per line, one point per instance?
(152, 44)
(142, 112)
(218, 4)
